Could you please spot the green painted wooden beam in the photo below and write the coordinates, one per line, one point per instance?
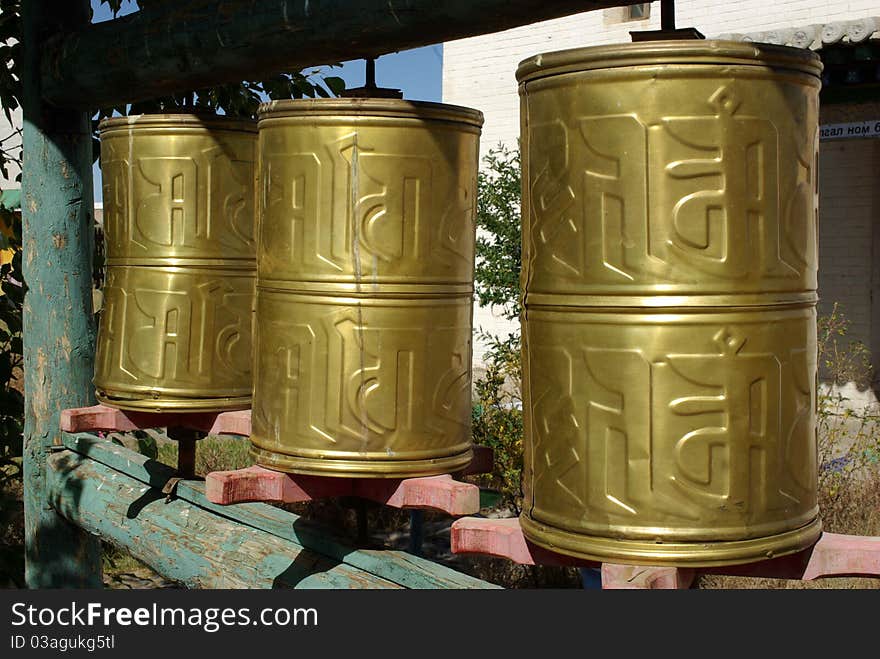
(202, 43)
(400, 568)
(184, 542)
(59, 327)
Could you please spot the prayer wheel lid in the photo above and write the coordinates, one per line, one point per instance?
(678, 52)
(191, 120)
(370, 107)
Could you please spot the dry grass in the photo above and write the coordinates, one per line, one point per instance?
(853, 510)
(214, 453)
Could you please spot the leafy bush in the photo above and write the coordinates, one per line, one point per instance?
(497, 412)
(499, 244)
(848, 431)
(498, 418)
(11, 359)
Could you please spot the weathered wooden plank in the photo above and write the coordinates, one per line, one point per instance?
(401, 568)
(201, 43)
(59, 327)
(184, 542)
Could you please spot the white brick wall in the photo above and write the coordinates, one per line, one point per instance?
(850, 203)
(490, 320)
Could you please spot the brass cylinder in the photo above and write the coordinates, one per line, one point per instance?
(364, 289)
(176, 330)
(669, 271)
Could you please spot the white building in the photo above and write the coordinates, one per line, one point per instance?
(479, 72)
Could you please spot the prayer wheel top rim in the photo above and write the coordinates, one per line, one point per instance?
(207, 120)
(370, 108)
(675, 52)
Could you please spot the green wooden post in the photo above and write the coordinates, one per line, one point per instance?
(59, 327)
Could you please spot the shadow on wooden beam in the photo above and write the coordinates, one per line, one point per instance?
(116, 493)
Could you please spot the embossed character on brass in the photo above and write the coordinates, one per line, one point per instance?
(670, 273)
(365, 285)
(175, 331)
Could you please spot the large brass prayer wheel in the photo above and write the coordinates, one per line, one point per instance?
(176, 330)
(670, 270)
(365, 282)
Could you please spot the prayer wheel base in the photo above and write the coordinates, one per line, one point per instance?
(676, 554)
(170, 404)
(361, 468)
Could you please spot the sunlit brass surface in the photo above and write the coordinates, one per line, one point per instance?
(364, 295)
(175, 332)
(670, 269)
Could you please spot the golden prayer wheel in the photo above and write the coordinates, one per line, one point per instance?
(670, 270)
(176, 328)
(364, 288)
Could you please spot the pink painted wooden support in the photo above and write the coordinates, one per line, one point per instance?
(259, 484)
(430, 492)
(639, 577)
(101, 417)
(503, 538)
(844, 555)
(238, 422)
(834, 555)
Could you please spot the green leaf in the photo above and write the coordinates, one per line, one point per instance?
(336, 84)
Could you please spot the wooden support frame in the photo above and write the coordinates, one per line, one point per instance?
(117, 493)
(101, 417)
(440, 493)
(202, 43)
(59, 325)
(258, 484)
(71, 65)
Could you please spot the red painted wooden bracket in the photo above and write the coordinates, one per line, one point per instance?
(102, 417)
(834, 555)
(503, 538)
(639, 577)
(260, 484)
